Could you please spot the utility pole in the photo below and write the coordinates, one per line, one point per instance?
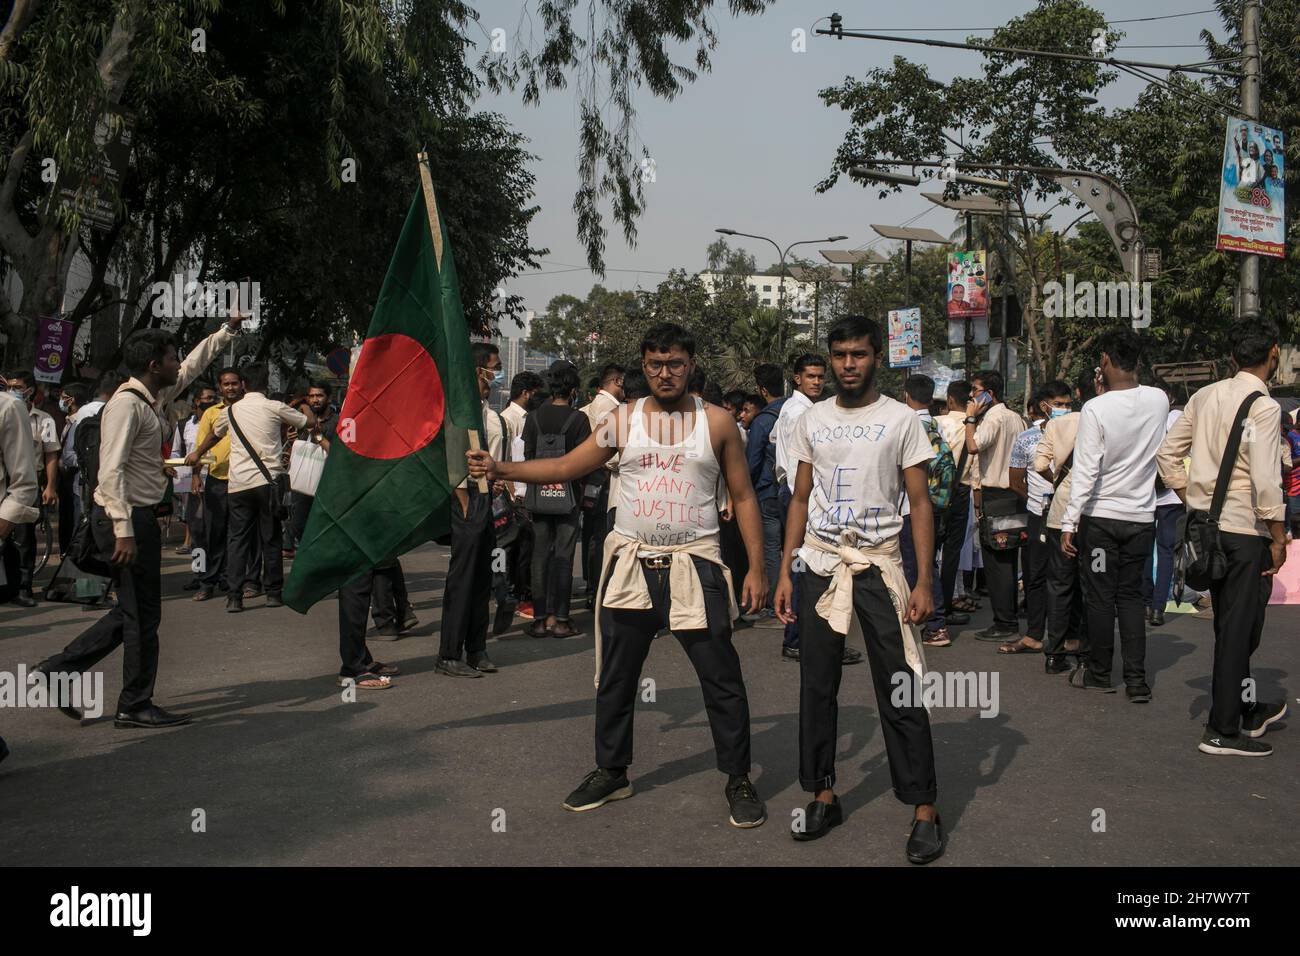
(1248, 284)
(970, 328)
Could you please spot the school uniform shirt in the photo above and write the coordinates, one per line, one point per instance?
(131, 433)
(1254, 493)
(1022, 456)
(952, 425)
(45, 436)
(514, 414)
(18, 491)
(259, 418)
(1166, 496)
(857, 457)
(182, 444)
(994, 436)
(783, 434)
(1115, 456)
(599, 407)
(1053, 449)
(497, 439)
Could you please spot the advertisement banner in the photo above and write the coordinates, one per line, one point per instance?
(93, 192)
(1252, 198)
(904, 338)
(968, 287)
(53, 348)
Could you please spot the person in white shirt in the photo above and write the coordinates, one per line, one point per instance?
(257, 476)
(857, 455)
(45, 447)
(1112, 512)
(188, 491)
(595, 488)
(1052, 400)
(522, 389)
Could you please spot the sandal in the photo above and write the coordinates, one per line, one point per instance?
(1019, 647)
(368, 681)
(538, 629)
(565, 629)
(966, 604)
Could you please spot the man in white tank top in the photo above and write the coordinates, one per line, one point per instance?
(855, 456)
(663, 566)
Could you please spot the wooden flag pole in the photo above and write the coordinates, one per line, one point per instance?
(431, 207)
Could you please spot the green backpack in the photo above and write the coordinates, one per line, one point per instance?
(942, 469)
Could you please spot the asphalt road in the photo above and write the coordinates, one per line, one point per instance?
(439, 770)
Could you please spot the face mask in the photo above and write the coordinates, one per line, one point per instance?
(19, 393)
(1058, 412)
(499, 379)
(64, 406)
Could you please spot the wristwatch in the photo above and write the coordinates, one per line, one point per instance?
(971, 420)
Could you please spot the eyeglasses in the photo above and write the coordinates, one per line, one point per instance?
(654, 367)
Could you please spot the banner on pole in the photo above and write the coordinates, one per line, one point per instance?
(1252, 197)
(968, 288)
(53, 348)
(905, 338)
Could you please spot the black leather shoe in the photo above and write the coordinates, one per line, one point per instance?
(956, 617)
(455, 668)
(927, 842)
(999, 634)
(790, 653)
(1057, 663)
(151, 717)
(1158, 617)
(851, 656)
(1082, 679)
(386, 633)
(408, 622)
(1150, 614)
(192, 586)
(481, 662)
(234, 603)
(25, 599)
(817, 821)
(273, 599)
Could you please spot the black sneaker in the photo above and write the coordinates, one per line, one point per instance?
(1256, 723)
(1080, 678)
(234, 603)
(408, 622)
(851, 656)
(999, 634)
(789, 653)
(747, 810)
(1057, 663)
(597, 789)
(1139, 694)
(1239, 746)
(273, 599)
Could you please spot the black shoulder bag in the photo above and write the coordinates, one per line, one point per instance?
(1200, 560)
(278, 508)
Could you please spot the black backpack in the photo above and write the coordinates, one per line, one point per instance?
(558, 498)
(85, 447)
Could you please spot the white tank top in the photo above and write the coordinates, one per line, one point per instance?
(667, 493)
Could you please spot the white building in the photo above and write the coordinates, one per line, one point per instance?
(800, 292)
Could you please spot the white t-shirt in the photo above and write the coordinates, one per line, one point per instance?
(1167, 497)
(783, 466)
(857, 457)
(1114, 472)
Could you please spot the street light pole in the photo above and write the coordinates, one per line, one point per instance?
(1248, 283)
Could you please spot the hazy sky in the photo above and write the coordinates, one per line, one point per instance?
(745, 145)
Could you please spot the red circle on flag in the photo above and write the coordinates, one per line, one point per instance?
(395, 400)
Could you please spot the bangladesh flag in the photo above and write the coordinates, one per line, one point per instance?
(403, 429)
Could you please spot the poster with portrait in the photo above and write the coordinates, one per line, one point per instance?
(905, 338)
(1252, 197)
(968, 286)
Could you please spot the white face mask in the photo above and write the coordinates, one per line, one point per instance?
(1058, 412)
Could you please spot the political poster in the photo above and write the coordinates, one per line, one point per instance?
(1252, 197)
(904, 338)
(968, 287)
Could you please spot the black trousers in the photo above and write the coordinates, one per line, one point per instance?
(554, 537)
(734, 554)
(299, 511)
(1033, 573)
(354, 606)
(1114, 556)
(216, 530)
(25, 541)
(389, 599)
(133, 621)
(594, 529)
(256, 537)
(1240, 601)
(1000, 572)
(625, 642)
(906, 729)
(1064, 595)
(469, 578)
(954, 536)
(67, 509)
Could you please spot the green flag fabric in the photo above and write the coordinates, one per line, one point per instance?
(401, 435)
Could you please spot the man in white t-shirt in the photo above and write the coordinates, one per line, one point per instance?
(856, 454)
(1112, 513)
(1169, 508)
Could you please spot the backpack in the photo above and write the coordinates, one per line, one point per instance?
(85, 447)
(942, 469)
(557, 498)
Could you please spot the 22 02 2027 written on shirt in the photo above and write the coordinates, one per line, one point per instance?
(857, 456)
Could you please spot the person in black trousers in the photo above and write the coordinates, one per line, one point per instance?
(469, 572)
(216, 518)
(390, 603)
(957, 516)
(357, 665)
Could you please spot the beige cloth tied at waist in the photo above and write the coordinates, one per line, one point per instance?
(626, 586)
(836, 603)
